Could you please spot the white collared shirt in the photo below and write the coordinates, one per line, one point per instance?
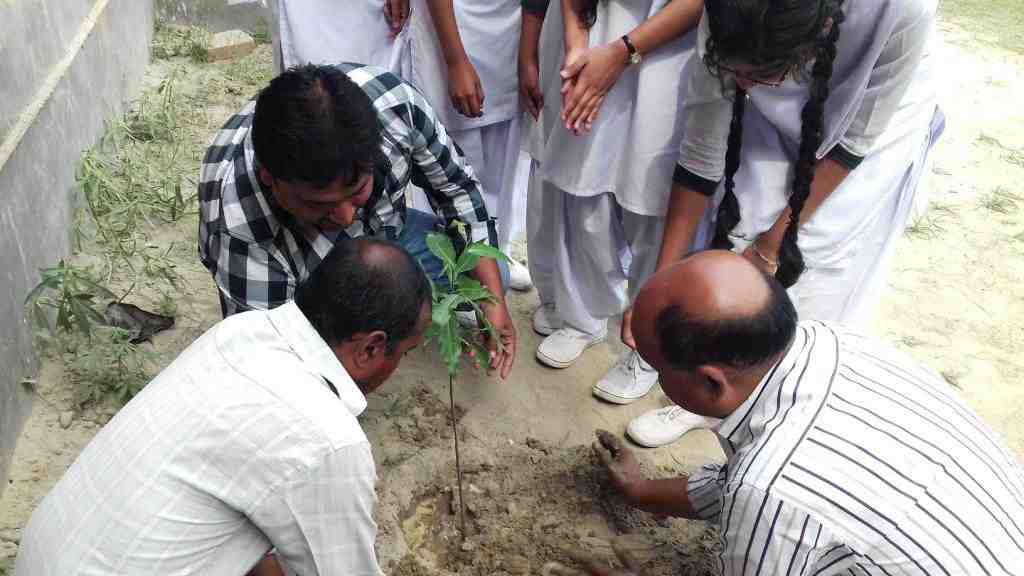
(238, 446)
(850, 458)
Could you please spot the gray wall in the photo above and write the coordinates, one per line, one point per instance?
(90, 82)
(214, 15)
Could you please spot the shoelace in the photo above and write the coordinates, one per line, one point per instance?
(671, 413)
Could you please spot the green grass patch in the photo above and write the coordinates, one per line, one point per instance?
(999, 22)
(932, 224)
(1001, 201)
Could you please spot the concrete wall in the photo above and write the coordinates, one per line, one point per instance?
(65, 67)
(214, 15)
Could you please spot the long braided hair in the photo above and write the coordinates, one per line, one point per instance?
(588, 12)
(777, 36)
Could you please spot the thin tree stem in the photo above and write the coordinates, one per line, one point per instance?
(458, 462)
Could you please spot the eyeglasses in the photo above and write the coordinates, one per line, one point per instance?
(770, 79)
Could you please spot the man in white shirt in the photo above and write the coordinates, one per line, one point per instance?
(844, 456)
(248, 441)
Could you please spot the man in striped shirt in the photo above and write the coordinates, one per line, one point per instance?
(844, 456)
(327, 153)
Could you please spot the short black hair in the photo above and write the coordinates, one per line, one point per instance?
(314, 125)
(348, 294)
(743, 342)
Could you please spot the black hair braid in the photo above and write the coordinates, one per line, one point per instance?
(729, 210)
(588, 13)
(791, 260)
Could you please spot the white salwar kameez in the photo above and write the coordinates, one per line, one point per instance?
(330, 32)
(882, 108)
(597, 201)
(489, 30)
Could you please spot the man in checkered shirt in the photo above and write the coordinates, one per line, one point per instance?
(327, 153)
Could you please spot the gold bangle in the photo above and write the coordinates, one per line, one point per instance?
(768, 261)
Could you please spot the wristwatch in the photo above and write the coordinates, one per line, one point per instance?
(634, 57)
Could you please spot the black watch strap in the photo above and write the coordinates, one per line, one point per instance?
(629, 45)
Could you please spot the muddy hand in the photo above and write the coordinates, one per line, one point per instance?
(623, 468)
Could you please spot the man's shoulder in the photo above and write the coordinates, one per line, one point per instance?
(385, 89)
(230, 198)
(253, 351)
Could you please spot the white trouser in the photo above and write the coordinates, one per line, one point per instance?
(588, 255)
(493, 152)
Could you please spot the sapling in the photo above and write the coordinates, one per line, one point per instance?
(462, 293)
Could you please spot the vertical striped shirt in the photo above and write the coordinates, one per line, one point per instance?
(258, 253)
(850, 458)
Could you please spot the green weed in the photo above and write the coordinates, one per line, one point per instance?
(932, 224)
(1001, 200)
(72, 295)
(106, 364)
(156, 115)
(170, 41)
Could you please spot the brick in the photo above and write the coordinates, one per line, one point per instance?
(230, 44)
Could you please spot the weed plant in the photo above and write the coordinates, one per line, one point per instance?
(106, 365)
(170, 41)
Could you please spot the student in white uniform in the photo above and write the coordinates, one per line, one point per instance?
(603, 166)
(832, 114)
(460, 56)
(333, 31)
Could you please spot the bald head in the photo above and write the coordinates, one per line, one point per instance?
(714, 307)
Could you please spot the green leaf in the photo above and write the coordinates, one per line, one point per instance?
(451, 347)
(473, 291)
(442, 247)
(441, 314)
(467, 261)
(81, 316)
(485, 251)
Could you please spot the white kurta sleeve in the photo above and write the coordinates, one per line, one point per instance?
(888, 82)
(708, 110)
(321, 520)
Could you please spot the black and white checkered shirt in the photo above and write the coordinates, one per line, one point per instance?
(258, 253)
(850, 459)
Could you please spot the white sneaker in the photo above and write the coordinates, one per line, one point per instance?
(628, 381)
(546, 320)
(519, 276)
(664, 426)
(564, 346)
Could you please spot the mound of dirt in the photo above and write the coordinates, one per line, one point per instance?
(529, 506)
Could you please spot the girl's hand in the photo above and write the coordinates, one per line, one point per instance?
(592, 73)
(465, 89)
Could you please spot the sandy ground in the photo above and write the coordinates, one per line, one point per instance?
(533, 492)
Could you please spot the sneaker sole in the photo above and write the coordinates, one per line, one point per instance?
(651, 444)
(552, 363)
(616, 399)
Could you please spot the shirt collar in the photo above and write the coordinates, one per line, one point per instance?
(304, 340)
(258, 216)
(741, 427)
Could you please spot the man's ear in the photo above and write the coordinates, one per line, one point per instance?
(372, 348)
(716, 384)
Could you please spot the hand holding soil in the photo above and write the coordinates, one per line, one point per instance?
(622, 466)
